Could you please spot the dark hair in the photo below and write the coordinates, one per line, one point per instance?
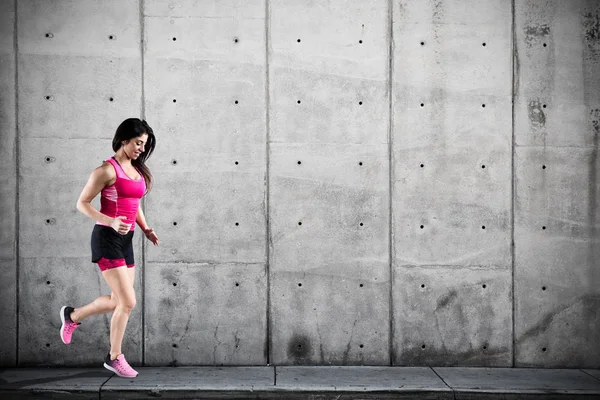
(132, 128)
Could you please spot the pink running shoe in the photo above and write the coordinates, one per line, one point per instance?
(120, 366)
(68, 326)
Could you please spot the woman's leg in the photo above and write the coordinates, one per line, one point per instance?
(101, 305)
(120, 281)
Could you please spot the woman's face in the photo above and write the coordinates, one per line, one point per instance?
(136, 146)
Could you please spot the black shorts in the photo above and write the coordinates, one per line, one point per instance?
(111, 245)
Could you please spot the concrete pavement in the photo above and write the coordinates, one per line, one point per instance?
(269, 382)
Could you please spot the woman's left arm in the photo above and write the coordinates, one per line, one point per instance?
(149, 232)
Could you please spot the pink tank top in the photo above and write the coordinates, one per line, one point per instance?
(122, 198)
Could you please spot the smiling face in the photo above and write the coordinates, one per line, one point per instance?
(136, 146)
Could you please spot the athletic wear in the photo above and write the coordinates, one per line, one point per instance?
(122, 198)
(68, 326)
(110, 249)
(120, 366)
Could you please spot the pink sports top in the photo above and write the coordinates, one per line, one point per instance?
(122, 198)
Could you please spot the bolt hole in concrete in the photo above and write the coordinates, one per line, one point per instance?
(299, 223)
(175, 345)
(111, 99)
(174, 100)
(236, 40)
(50, 159)
(49, 35)
(485, 347)
(299, 162)
(484, 286)
(543, 106)
(422, 165)
(422, 226)
(174, 162)
(360, 163)
(483, 166)
(47, 344)
(483, 44)
(543, 228)
(543, 349)
(236, 102)
(48, 97)
(174, 223)
(174, 283)
(112, 37)
(360, 41)
(300, 285)
(360, 103)
(174, 39)
(483, 105)
(298, 40)
(543, 287)
(545, 45)
(543, 167)
(423, 286)
(423, 347)
(361, 346)
(50, 221)
(361, 285)
(236, 163)
(483, 227)
(361, 224)
(237, 224)
(422, 43)
(299, 102)
(422, 104)
(47, 282)
(237, 284)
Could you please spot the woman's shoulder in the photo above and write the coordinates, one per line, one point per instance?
(106, 172)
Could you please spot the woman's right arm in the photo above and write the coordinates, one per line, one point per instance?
(99, 178)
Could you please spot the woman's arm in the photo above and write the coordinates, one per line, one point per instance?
(99, 178)
(149, 232)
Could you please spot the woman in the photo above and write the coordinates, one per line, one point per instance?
(122, 181)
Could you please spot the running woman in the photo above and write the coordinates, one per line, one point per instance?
(121, 181)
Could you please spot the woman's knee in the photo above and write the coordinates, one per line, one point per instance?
(127, 303)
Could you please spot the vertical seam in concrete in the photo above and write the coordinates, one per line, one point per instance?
(17, 150)
(512, 206)
(391, 177)
(143, 114)
(445, 383)
(587, 373)
(267, 178)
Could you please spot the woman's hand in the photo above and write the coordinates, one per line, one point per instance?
(119, 226)
(151, 236)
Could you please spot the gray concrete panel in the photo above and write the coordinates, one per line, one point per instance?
(47, 284)
(205, 314)
(451, 194)
(557, 80)
(195, 215)
(238, 9)
(518, 383)
(366, 379)
(8, 187)
(450, 47)
(452, 207)
(82, 28)
(452, 316)
(55, 88)
(557, 253)
(329, 72)
(329, 254)
(55, 383)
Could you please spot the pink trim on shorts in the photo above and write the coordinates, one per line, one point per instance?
(105, 264)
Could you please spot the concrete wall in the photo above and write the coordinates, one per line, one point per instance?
(337, 182)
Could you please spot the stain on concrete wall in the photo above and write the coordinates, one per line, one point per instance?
(337, 182)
